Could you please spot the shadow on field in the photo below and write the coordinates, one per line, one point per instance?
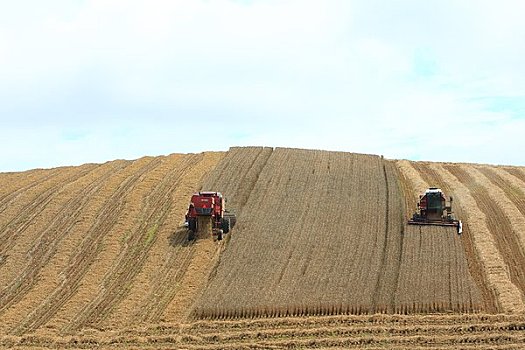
(179, 238)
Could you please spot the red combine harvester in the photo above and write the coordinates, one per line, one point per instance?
(432, 209)
(209, 205)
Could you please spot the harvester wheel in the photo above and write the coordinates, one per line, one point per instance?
(191, 235)
(230, 217)
(226, 225)
(192, 225)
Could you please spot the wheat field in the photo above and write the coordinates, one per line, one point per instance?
(334, 224)
(96, 256)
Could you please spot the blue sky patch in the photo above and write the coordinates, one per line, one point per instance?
(513, 105)
(424, 63)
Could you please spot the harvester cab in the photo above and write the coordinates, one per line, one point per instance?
(432, 209)
(208, 206)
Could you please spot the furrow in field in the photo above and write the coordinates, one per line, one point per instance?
(114, 194)
(355, 323)
(366, 341)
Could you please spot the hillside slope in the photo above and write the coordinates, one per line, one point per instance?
(97, 254)
(324, 233)
(489, 200)
(89, 246)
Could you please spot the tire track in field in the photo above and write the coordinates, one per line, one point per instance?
(390, 268)
(517, 172)
(473, 249)
(46, 244)
(173, 272)
(85, 255)
(34, 206)
(499, 225)
(154, 291)
(27, 184)
(23, 184)
(382, 275)
(13, 181)
(22, 213)
(169, 278)
(118, 280)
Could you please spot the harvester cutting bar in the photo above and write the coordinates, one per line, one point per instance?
(457, 224)
(412, 222)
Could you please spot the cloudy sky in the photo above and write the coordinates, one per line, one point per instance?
(96, 80)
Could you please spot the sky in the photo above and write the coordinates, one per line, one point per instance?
(96, 80)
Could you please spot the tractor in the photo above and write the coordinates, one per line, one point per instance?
(206, 207)
(432, 209)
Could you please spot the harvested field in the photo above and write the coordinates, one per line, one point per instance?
(487, 231)
(91, 234)
(329, 332)
(96, 256)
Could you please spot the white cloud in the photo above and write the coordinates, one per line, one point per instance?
(365, 76)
